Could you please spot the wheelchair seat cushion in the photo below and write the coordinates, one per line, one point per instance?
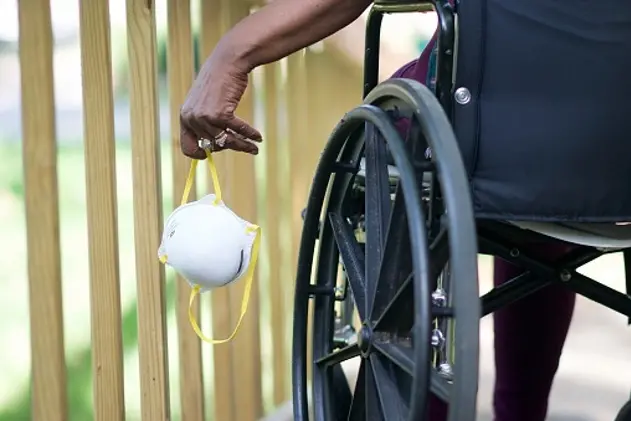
(600, 235)
(546, 134)
(605, 236)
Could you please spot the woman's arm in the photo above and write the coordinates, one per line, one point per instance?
(285, 26)
(275, 31)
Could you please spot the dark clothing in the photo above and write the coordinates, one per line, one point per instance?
(547, 133)
(529, 334)
(546, 136)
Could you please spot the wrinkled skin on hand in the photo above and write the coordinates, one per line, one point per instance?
(209, 110)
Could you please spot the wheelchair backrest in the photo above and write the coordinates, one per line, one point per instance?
(539, 104)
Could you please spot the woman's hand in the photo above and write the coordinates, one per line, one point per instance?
(276, 30)
(208, 111)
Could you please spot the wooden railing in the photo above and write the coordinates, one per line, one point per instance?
(302, 98)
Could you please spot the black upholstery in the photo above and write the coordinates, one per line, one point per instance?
(546, 134)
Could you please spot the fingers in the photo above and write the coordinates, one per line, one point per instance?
(210, 128)
(237, 142)
(190, 146)
(244, 129)
(197, 126)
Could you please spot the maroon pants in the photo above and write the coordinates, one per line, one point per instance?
(529, 334)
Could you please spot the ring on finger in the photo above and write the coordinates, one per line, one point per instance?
(208, 144)
(220, 139)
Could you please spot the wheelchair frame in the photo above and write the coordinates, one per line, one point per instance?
(565, 270)
(340, 162)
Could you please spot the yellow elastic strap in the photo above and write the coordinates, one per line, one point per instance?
(191, 177)
(249, 275)
(248, 278)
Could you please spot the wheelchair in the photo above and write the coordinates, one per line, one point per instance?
(393, 226)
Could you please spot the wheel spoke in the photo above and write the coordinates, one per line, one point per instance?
(352, 258)
(397, 260)
(393, 399)
(358, 408)
(400, 355)
(373, 412)
(337, 357)
(399, 306)
(341, 393)
(400, 302)
(377, 208)
(438, 255)
(439, 387)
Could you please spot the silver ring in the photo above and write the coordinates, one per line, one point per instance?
(208, 144)
(220, 139)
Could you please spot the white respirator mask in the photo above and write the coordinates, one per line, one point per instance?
(210, 246)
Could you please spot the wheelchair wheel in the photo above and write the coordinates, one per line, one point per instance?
(390, 220)
(625, 413)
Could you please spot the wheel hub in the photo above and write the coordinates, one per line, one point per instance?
(364, 340)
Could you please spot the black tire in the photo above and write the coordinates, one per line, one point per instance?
(387, 279)
(625, 413)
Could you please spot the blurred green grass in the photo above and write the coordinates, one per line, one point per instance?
(14, 317)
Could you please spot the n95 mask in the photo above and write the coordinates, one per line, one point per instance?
(210, 246)
(207, 243)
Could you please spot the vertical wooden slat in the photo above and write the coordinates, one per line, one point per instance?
(152, 335)
(49, 401)
(246, 347)
(212, 26)
(298, 91)
(287, 266)
(297, 100)
(180, 72)
(330, 71)
(326, 75)
(100, 163)
(272, 233)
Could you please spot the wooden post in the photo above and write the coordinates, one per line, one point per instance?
(298, 119)
(300, 138)
(152, 341)
(212, 26)
(272, 233)
(180, 72)
(49, 399)
(100, 163)
(246, 349)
